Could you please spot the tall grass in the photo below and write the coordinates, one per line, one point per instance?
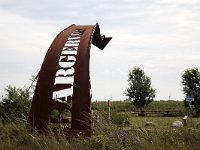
(111, 135)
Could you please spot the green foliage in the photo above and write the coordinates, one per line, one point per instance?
(15, 104)
(191, 86)
(120, 118)
(139, 90)
(111, 137)
(126, 106)
(166, 105)
(120, 106)
(55, 114)
(100, 105)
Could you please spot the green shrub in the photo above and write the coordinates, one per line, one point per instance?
(119, 118)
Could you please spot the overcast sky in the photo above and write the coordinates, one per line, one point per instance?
(159, 36)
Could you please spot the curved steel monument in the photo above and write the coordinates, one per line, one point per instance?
(64, 80)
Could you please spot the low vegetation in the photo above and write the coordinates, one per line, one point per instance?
(126, 106)
(122, 132)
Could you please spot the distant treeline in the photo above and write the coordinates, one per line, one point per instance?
(127, 106)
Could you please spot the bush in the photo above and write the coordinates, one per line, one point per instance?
(16, 104)
(119, 118)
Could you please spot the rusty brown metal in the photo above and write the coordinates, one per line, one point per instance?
(64, 79)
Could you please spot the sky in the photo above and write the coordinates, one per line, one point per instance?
(159, 36)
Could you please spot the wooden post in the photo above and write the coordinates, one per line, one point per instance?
(109, 104)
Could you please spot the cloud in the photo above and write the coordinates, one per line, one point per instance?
(24, 43)
(160, 36)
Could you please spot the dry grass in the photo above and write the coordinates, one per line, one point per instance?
(113, 135)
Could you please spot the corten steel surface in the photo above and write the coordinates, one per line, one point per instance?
(64, 79)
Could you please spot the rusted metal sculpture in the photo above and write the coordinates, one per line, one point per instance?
(64, 79)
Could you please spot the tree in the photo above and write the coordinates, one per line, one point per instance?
(15, 104)
(139, 90)
(191, 87)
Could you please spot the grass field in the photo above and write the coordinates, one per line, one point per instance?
(114, 135)
(126, 106)
(123, 132)
(162, 122)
